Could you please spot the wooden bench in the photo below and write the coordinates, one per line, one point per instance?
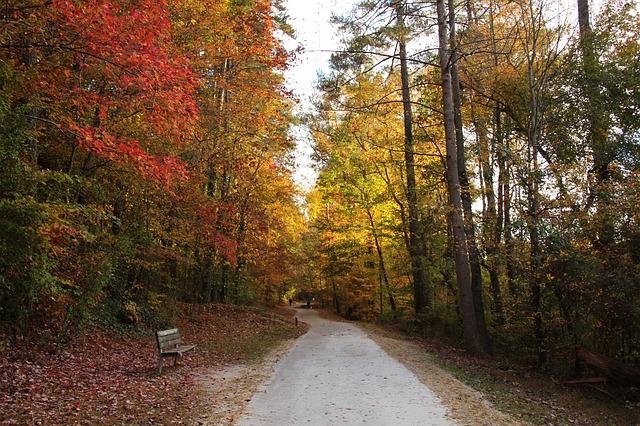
(170, 345)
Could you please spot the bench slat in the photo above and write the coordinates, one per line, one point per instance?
(170, 344)
(167, 332)
(169, 338)
(178, 350)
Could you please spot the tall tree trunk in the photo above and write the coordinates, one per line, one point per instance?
(469, 227)
(207, 277)
(501, 148)
(420, 283)
(591, 69)
(446, 274)
(536, 256)
(240, 262)
(533, 181)
(492, 226)
(381, 264)
(603, 153)
(336, 297)
(505, 180)
(473, 336)
(29, 59)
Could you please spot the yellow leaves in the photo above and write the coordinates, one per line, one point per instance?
(132, 311)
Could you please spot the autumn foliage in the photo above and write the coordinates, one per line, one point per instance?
(143, 159)
(544, 232)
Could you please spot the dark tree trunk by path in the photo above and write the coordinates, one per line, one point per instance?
(469, 227)
(419, 273)
(473, 336)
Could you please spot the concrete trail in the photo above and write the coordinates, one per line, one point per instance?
(336, 375)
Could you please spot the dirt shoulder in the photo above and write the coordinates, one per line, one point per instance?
(466, 405)
(223, 393)
(494, 391)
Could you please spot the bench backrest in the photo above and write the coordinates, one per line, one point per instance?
(168, 339)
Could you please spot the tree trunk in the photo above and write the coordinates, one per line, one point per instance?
(469, 227)
(492, 226)
(473, 337)
(533, 184)
(30, 59)
(620, 373)
(208, 277)
(446, 275)
(505, 180)
(241, 262)
(417, 255)
(591, 69)
(603, 154)
(536, 259)
(336, 298)
(381, 264)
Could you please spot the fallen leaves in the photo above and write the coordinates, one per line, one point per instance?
(98, 377)
(109, 379)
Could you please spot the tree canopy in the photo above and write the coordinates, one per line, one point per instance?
(478, 168)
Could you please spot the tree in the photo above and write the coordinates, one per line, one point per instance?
(143, 133)
(473, 333)
(418, 266)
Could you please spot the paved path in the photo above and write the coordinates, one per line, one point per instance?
(336, 375)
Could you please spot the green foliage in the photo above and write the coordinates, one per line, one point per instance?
(26, 277)
(25, 269)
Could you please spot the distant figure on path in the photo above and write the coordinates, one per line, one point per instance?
(290, 301)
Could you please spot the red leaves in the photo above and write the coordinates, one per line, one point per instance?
(98, 379)
(154, 106)
(215, 224)
(118, 84)
(106, 379)
(163, 169)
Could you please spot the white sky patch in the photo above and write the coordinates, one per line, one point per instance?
(310, 20)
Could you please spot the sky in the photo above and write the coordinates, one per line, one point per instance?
(310, 20)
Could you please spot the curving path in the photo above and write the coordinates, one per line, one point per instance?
(336, 375)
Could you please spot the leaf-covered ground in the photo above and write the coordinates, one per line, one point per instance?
(102, 378)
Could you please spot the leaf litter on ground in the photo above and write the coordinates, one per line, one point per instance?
(105, 378)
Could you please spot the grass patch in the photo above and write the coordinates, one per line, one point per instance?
(233, 334)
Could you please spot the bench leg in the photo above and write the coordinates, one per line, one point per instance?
(175, 359)
(160, 362)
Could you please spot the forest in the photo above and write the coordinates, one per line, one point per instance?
(145, 159)
(479, 175)
(478, 170)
